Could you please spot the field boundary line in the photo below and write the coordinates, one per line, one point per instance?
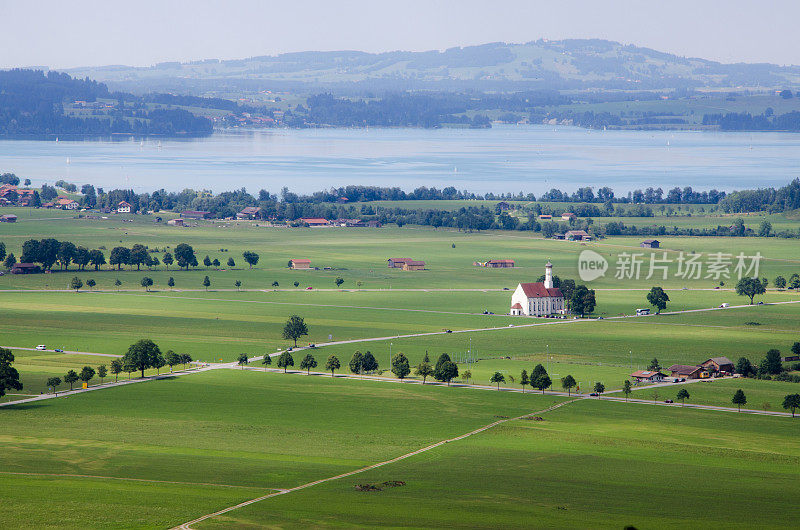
(102, 477)
(188, 525)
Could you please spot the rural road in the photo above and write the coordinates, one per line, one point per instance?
(65, 351)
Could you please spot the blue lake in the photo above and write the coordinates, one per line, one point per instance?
(531, 158)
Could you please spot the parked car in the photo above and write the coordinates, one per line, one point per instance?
(668, 401)
(58, 350)
(41, 347)
(594, 394)
(760, 303)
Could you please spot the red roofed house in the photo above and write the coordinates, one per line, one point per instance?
(124, 207)
(577, 235)
(647, 376)
(300, 263)
(537, 299)
(414, 265)
(250, 212)
(566, 216)
(500, 263)
(66, 204)
(315, 221)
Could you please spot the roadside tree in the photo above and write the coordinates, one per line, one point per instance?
(86, 375)
(792, 402)
(658, 299)
(243, 360)
(750, 287)
(53, 382)
(102, 372)
(683, 395)
(498, 378)
(71, 378)
(285, 360)
(400, 366)
(332, 364)
(568, 383)
(308, 363)
(739, 399)
(9, 376)
(295, 328)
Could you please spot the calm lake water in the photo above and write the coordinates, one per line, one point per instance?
(502, 159)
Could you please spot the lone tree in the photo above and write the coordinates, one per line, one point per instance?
(424, 368)
(117, 283)
(498, 378)
(206, 283)
(86, 375)
(523, 380)
(171, 282)
(71, 377)
(739, 399)
(357, 363)
(297, 284)
(308, 363)
(102, 372)
(599, 388)
(626, 389)
(142, 355)
(75, 283)
(294, 329)
(231, 263)
(332, 364)
(400, 366)
(9, 376)
(658, 299)
(238, 284)
(250, 257)
(266, 361)
(582, 300)
(338, 281)
(147, 282)
(654, 365)
(116, 368)
(91, 283)
(285, 360)
(568, 383)
(750, 287)
(53, 382)
(242, 360)
(792, 402)
(683, 395)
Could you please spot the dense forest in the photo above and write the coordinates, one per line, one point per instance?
(32, 103)
(767, 121)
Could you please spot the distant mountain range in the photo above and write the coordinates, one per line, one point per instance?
(574, 64)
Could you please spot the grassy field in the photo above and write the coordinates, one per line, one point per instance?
(719, 392)
(219, 437)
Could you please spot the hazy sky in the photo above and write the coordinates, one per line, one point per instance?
(62, 34)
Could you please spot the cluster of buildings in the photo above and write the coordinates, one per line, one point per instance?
(12, 195)
(566, 216)
(720, 366)
(321, 221)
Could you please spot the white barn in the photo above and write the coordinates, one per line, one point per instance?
(539, 298)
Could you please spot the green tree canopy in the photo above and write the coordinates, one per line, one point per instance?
(9, 376)
(739, 399)
(658, 298)
(750, 287)
(285, 360)
(332, 364)
(294, 328)
(791, 402)
(141, 355)
(308, 363)
(400, 366)
(498, 378)
(568, 383)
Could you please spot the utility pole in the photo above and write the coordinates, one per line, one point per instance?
(389, 366)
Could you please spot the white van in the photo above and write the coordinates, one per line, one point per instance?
(640, 312)
(41, 347)
(724, 305)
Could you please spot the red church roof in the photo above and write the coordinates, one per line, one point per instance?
(538, 290)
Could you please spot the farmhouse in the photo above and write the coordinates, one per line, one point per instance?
(650, 243)
(124, 207)
(315, 221)
(719, 364)
(397, 263)
(414, 265)
(545, 217)
(647, 376)
(300, 264)
(251, 212)
(577, 235)
(566, 216)
(500, 263)
(537, 299)
(25, 268)
(8, 218)
(175, 222)
(195, 214)
(685, 371)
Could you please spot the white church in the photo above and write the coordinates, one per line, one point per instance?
(539, 298)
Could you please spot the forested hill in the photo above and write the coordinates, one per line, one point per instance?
(36, 104)
(571, 64)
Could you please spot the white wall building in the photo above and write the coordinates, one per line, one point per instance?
(539, 298)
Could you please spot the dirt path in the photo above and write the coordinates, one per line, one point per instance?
(188, 525)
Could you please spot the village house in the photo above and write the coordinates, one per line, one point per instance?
(413, 265)
(686, 371)
(25, 268)
(647, 376)
(719, 364)
(539, 298)
(175, 222)
(300, 264)
(195, 214)
(8, 218)
(124, 207)
(566, 216)
(545, 217)
(315, 221)
(650, 243)
(66, 204)
(250, 212)
(577, 235)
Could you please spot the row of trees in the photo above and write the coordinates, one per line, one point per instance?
(770, 367)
